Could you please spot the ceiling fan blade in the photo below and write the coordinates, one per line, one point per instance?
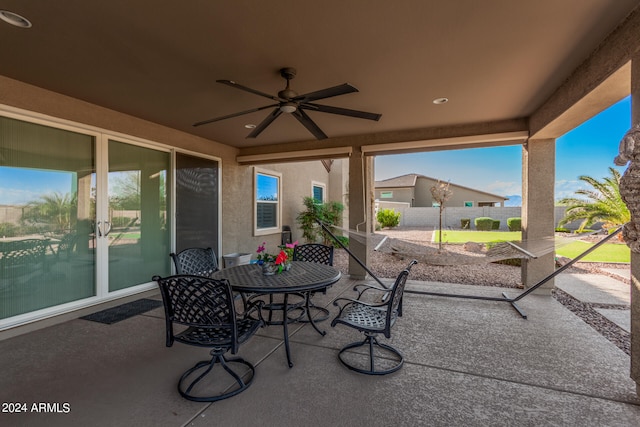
(326, 93)
(342, 111)
(247, 89)
(253, 110)
(309, 124)
(266, 122)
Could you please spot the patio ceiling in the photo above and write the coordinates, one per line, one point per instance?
(495, 60)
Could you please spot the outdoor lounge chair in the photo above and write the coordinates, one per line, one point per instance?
(205, 307)
(373, 318)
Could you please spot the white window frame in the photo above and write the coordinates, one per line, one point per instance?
(277, 228)
(324, 190)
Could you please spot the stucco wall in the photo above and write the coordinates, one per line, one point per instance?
(429, 217)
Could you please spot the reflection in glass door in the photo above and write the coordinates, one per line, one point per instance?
(136, 225)
(47, 217)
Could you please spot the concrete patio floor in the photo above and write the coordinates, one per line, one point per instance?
(467, 363)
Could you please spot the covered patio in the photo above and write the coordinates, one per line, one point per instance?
(141, 73)
(466, 363)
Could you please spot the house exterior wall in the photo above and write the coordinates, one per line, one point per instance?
(420, 195)
(423, 193)
(402, 195)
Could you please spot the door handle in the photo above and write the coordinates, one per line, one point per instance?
(108, 229)
(98, 231)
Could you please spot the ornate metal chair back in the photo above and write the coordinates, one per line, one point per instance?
(314, 252)
(195, 261)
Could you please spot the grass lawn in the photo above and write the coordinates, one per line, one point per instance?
(609, 252)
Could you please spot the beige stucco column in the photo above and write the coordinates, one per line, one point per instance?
(629, 185)
(359, 202)
(538, 183)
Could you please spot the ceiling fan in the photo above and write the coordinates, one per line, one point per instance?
(288, 101)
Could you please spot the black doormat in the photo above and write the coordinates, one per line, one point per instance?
(124, 311)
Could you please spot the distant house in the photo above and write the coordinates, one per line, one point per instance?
(415, 190)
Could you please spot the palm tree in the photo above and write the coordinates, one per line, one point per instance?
(602, 203)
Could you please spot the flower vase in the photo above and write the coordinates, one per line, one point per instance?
(269, 268)
(287, 266)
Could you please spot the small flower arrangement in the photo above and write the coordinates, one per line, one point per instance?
(280, 260)
(288, 249)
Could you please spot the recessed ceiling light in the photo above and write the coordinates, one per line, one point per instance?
(438, 101)
(14, 19)
(250, 126)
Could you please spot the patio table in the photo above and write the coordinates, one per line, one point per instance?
(302, 277)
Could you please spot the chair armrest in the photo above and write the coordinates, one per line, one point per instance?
(366, 287)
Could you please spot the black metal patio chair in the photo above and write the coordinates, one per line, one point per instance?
(373, 318)
(205, 307)
(195, 261)
(321, 254)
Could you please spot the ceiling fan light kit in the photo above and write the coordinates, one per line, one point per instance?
(288, 101)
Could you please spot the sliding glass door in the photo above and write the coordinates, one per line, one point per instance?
(86, 217)
(137, 225)
(47, 217)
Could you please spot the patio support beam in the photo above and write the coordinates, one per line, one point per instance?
(601, 80)
(635, 257)
(359, 201)
(538, 178)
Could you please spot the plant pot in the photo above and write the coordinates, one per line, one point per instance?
(269, 268)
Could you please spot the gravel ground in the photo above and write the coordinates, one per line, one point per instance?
(488, 274)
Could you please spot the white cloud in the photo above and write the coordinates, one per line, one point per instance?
(15, 196)
(505, 187)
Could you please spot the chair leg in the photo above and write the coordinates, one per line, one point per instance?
(239, 386)
(370, 341)
(307, 315)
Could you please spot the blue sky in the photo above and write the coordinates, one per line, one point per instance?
(587, 150)
(23, 185)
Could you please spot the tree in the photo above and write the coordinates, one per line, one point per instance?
(329, 213)
(601, 203)
(441, 193)
(56, 210)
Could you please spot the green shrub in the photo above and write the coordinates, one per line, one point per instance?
(496, 224)
(8, 229)
(562, 230)
(388, 217)
(343, 239)
(465, 223)
(483, 223)
(514, 224)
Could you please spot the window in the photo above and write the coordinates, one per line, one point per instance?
(317, 192)
(435, 204)
(468, 204)
(267, 202)
(386, 194)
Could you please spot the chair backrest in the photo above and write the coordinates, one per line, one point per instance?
(195, 261)
(199, 302)
(395, 297)
(314, 252)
